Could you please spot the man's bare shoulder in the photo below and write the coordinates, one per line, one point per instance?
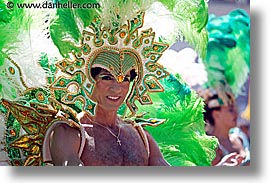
(65, 132)
(65, 144)
(65, 128)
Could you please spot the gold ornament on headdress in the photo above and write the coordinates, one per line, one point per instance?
(117, 50)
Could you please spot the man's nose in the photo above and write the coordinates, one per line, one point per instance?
(115, 87)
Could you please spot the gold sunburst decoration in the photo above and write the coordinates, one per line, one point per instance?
(117, 50)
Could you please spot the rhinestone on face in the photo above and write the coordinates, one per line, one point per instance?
(120, 78)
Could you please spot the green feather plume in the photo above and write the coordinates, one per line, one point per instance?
(12, 21)
(228, 51)
(182, 137)
(66, 28)
(190, 16)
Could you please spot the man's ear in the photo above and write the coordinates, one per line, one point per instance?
(93, 95)
(209, 128)
(216, 114)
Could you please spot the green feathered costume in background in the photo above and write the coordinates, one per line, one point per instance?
(181, 138)
(228, 51)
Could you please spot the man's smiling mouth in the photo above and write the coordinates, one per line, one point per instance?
(113, 97)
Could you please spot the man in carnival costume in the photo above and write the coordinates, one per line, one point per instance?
(219, 79)
(85, 114)
(228, 65)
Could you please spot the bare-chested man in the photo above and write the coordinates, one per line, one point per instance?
(109, 140)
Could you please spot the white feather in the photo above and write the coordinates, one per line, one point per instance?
(184, 63)
(160, 19)
(34, 42)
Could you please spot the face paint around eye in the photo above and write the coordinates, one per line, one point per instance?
(106, 77)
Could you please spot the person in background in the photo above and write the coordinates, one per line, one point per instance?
(221, 122)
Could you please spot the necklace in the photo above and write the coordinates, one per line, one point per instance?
(110, 131)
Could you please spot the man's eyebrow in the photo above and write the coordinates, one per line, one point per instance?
(105, 73)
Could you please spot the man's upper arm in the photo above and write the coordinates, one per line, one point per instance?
(64, 146)
(155, 158)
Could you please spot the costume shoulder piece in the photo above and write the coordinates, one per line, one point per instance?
(26, 127)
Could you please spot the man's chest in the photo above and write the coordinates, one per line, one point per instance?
(107, 151)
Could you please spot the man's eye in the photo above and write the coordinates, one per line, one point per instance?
(231, 109)
(127, 78)
(106, 77)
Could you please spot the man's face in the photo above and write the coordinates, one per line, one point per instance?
(228, 115)
(108, 93)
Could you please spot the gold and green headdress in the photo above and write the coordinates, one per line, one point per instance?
(113, 40)
(118, 51)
